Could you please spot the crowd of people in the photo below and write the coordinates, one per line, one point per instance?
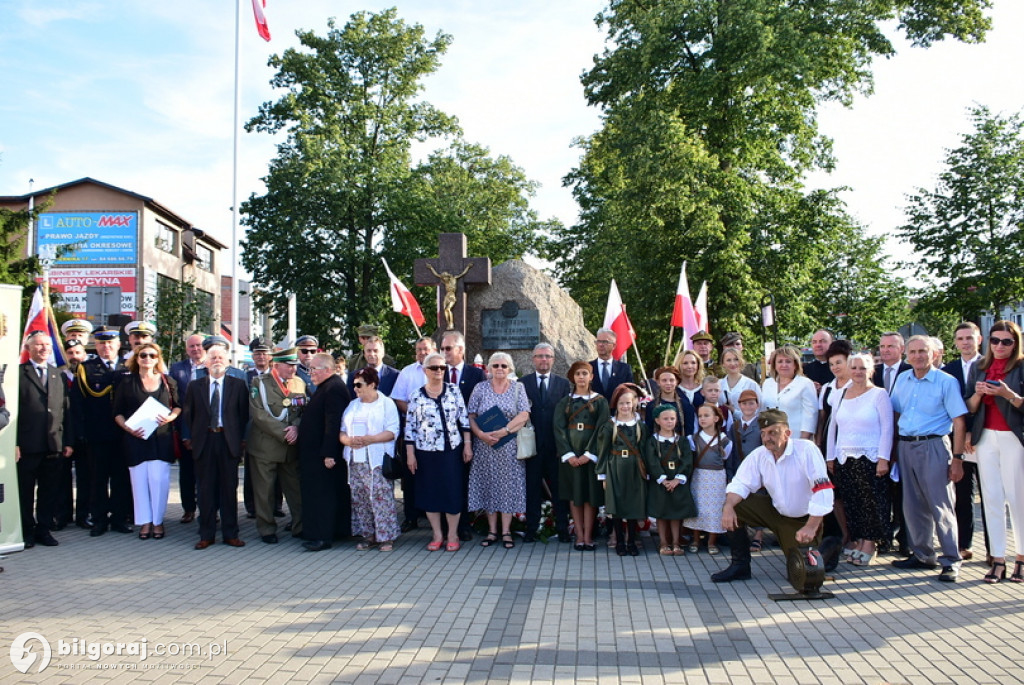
(876, 457)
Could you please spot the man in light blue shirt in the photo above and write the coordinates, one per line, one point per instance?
(928, 407)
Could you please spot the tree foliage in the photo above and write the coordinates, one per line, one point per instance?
(343, 189)
(969, 230)
(180, 310)
(709, 126)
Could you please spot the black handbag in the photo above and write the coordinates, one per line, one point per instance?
(390, 469)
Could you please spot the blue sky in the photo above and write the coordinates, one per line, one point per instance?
(139, 94)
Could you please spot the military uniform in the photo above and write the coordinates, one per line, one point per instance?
(272, 411)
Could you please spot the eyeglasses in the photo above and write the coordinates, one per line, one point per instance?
(147, 355)
(440, 367)
(499, 366)
(1008, 342)
(358, 385)
(318, 368)
(449, 347)
(605, 342)
(313, 351)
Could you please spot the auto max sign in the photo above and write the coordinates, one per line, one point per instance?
(97, 237)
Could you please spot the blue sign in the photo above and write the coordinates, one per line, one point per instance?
(99, 237)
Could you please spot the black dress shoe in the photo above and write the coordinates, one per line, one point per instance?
(270, 539)
(82, 523)
(97, 531)
(278, 513)
(316, 545)
(120, 528)
(914, 562)
(46, 540)
(529, 537)
(29, 543)
(465, 534)
(288, 528)
(735, 571)
(830, 550)
(632, 550)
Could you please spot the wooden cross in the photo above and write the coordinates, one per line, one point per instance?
(451, 272)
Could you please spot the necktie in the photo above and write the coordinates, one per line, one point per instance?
(39, 372)
(215, 406)
(888, 379)
(455, 375)
(543, 389)
(605, 376)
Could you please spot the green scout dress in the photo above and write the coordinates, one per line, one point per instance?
(668, 458)
(620, 460)
(575, 422)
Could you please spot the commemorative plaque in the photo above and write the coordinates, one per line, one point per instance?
(509, 328)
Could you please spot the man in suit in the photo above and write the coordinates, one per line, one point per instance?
(44, 438)
(967, 338)
(276, 401)
(184, 372)
(608, 373)
(216, 411)
(890, 351)
(373, 351)
(544, 389)
(96, 381)
(817, 369)
(465, 377)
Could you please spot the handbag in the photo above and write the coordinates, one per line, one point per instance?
(390, 468)
(526, 437)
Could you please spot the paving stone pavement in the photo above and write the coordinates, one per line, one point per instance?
(538, 613)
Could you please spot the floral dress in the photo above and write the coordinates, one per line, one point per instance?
(497, 480)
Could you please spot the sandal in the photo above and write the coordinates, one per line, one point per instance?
(158, 532)
(755, 546)
(665, 551)
(146, 532)
(432, 546)
(693, 549)
(489, 540)
(678, 551)
(713, 549)
(453, 546)
(386, 547)
(1018, 572)
(365, 545)
(509, 543)
(992, 576)
(862, 558)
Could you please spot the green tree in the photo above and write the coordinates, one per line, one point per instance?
(709, 126)
(343, 189)
(969, 231)
(181, 309)
(15, 268)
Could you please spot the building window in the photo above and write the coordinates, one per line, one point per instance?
(204, 257)
(166, 238)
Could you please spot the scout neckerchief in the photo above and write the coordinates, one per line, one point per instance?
(286, 402)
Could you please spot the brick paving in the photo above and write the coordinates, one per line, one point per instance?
(538, 613)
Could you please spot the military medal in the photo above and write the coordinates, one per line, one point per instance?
(286, 402)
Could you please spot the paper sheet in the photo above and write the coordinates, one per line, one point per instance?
(145, 416)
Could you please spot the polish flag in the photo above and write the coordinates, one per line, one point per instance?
(40, 318)
(701, 309)
(402, 300)
(261, 19)
(615, 319)
(683, 314)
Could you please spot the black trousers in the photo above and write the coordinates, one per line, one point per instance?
(326, 500)
(964, 490)
(38, 489)
(75, 492)
(111, 485)
(187, 479)
(217, 473)
(540, 469)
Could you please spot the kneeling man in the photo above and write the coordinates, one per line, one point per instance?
(799, 494)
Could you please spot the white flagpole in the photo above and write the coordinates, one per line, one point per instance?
(234, 194)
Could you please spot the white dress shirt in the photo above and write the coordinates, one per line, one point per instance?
(797, 483)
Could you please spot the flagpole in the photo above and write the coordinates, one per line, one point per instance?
(234, 193)
(636, 350)
(668, 347)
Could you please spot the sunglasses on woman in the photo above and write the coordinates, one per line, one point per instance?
(1008, 342)
(440, 367)
(147, 355)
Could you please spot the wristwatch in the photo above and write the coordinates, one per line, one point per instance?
(959, 456)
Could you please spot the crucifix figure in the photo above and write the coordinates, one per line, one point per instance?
(453, 271)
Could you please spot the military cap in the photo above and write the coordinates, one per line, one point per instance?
(140, 328)
(730, 339)
(259, 345)
(105, 333)
(307, 341)
(288, 356)
(770, 417)
(211, 340)
(367, 331)
(76, 326)
(702, 335)
(748, 395)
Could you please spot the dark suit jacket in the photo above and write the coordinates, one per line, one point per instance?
(44, 413)
(878, 377)
(321, 421)
(234, 413)
(621, 373)
(181, 372)
(956, 369)
(471, 375)
(542, 415)
(388, 376)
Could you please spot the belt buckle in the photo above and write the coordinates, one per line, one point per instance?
(624, 453)
(579, 426)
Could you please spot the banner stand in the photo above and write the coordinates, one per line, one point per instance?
(10, 350)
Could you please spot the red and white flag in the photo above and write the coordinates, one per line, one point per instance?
(40, 318)
(615, 319)
(261, 19)
(683, 314)
(402, 300)
(701, 309)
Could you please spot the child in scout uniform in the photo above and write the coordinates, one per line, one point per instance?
(670, 464)
(710, 449)
(620, 465)
(576, 420)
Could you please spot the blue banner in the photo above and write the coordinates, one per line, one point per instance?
(99, 237)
